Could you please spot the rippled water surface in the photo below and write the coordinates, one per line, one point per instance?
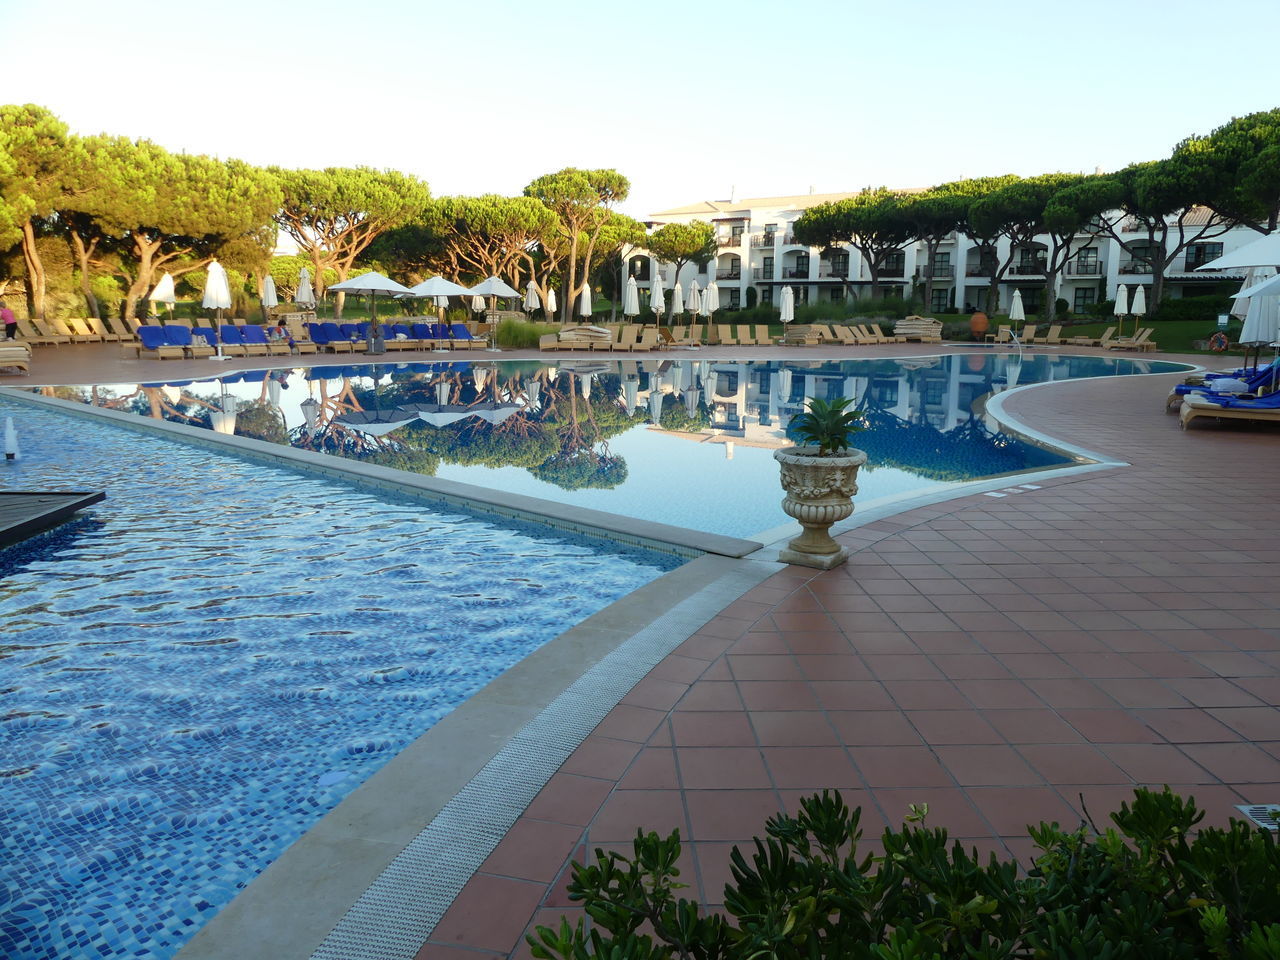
(208, 661)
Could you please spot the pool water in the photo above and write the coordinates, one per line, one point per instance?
(204, 664)
(687, 442)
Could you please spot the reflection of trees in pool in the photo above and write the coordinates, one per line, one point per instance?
(964, 452)
(562, 439)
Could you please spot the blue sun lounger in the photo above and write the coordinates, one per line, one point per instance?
(179, 336)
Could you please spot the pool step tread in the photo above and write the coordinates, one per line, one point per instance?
(24, 513)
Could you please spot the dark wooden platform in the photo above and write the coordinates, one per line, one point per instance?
(24, 513)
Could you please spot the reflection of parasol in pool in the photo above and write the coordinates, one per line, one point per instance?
(377, 423)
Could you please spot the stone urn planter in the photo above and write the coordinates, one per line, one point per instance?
(819, 492)
(820, 477)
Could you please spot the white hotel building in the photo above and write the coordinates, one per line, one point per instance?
(758, 255)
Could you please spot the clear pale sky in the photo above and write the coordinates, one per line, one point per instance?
(687, 99)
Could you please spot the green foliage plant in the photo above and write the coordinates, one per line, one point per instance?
(827, 425)
(520, 334)
(1156, 886)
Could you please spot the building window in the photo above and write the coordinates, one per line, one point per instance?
(1198, 254)
(638, 267)
(735, 234)
(735, 298)
(940, 298)
(894, 265)
(1084, 296)
(766, 294)
(837, 295)
(766, 269)
(1088, 259)
(1031, 297)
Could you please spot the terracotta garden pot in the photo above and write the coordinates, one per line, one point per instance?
(978, 325)
(819, 493)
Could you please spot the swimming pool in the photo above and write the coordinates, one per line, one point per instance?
(687, 442)
(198, 669)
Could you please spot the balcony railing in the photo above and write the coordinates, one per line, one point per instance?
(1135, 267)
(828, 272)
(729, 273)
(891, 271)
(762, 273)
(795, 273)
(763, 239)
(1032, 269)
(729, 240)
(980, 270)
(1090, 268)
(939, 271)
(790, 238)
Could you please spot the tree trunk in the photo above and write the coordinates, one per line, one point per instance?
(566, 308)
(36, 281)
(142, 282)
(83, 253)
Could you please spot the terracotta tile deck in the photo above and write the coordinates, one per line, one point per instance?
(1005, 660)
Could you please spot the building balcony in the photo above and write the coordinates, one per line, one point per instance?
(1034, 269)
(939, 271)
(828, 272)
(731, 240)
(795, 273)
(790, 240)
(1089, 269)
(1135, 268)
(980, 270)
(762, 273)
(1191, 264)
(764, 239)
(729, 273)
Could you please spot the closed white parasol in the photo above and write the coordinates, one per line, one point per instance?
(631, 299)
(787, 305)
(305, 297)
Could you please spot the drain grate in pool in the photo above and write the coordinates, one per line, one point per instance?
(1263, 814)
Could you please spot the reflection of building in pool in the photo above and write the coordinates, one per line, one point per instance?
(911, 406)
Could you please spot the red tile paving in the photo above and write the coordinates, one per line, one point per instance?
(1005, 660)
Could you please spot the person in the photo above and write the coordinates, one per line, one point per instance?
(10, 322)
(281, 332)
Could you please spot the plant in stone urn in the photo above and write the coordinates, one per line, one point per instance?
(820, 479)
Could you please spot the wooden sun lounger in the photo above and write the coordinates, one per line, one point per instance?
(28, 332)
(1003, 334)
(58, 328)
(742, 333)
(80, 328)
(1133, 343)
(15, 355)
(762, 335)
(676, 337)
(885, 337)
(723, 335)
(100, 328)
(648, 341)
(1053, 336)
(1191, 410)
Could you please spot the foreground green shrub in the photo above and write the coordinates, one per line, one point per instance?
(520, 334)
(1143, 890)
